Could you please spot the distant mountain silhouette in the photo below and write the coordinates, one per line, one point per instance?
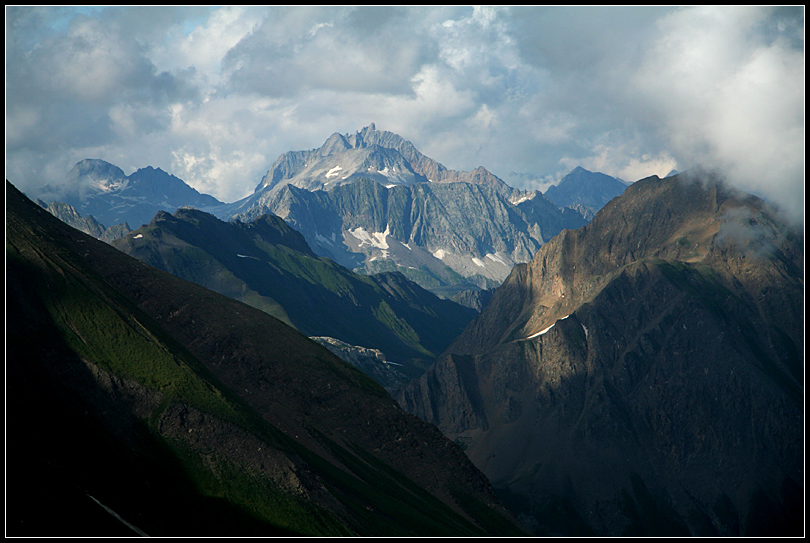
(98, 188)
(585, 191)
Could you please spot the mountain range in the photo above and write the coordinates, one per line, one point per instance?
(98, 188)
(138, 403)
(636, 368)
(642, 375)
(370, 201)
(268, 265)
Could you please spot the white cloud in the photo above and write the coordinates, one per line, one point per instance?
(214, 95)
(727, 96)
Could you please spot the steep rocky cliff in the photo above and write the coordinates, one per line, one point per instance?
(439, 235)
(643, 374)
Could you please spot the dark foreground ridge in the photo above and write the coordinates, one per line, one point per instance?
(139, 403)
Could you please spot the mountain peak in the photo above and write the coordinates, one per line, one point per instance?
(342, 159)
(97, 169)
(675, 314)
(336, 143)
(585, 191)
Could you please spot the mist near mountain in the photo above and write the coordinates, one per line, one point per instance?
(96, 187)
(642, 375)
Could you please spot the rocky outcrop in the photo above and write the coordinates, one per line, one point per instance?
(642, 375)
(372, 362)
(89, 225)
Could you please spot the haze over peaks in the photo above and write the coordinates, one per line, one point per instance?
(96, 187)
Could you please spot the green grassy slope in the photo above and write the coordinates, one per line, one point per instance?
(107, 411)
(269, 266)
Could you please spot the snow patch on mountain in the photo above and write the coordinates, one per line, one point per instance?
(521, 199)
(496, 258)
(541, 332)
(440, 254)
(333, 172)
(374, 239)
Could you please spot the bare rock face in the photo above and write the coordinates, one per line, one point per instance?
(372, 202)
(372, 362)
(642, 375)
(437, 234)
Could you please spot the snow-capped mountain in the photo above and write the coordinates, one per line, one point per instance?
(372, 202)
(378, 155)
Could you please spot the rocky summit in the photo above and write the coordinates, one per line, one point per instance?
(373, 154)
(643, 375)
(372, 202)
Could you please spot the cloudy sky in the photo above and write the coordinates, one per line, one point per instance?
(215, 95)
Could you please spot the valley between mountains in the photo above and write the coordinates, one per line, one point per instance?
(373, 344)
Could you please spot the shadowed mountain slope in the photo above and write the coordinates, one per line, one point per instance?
(644, 374)
(140, 403)
(268, 265)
